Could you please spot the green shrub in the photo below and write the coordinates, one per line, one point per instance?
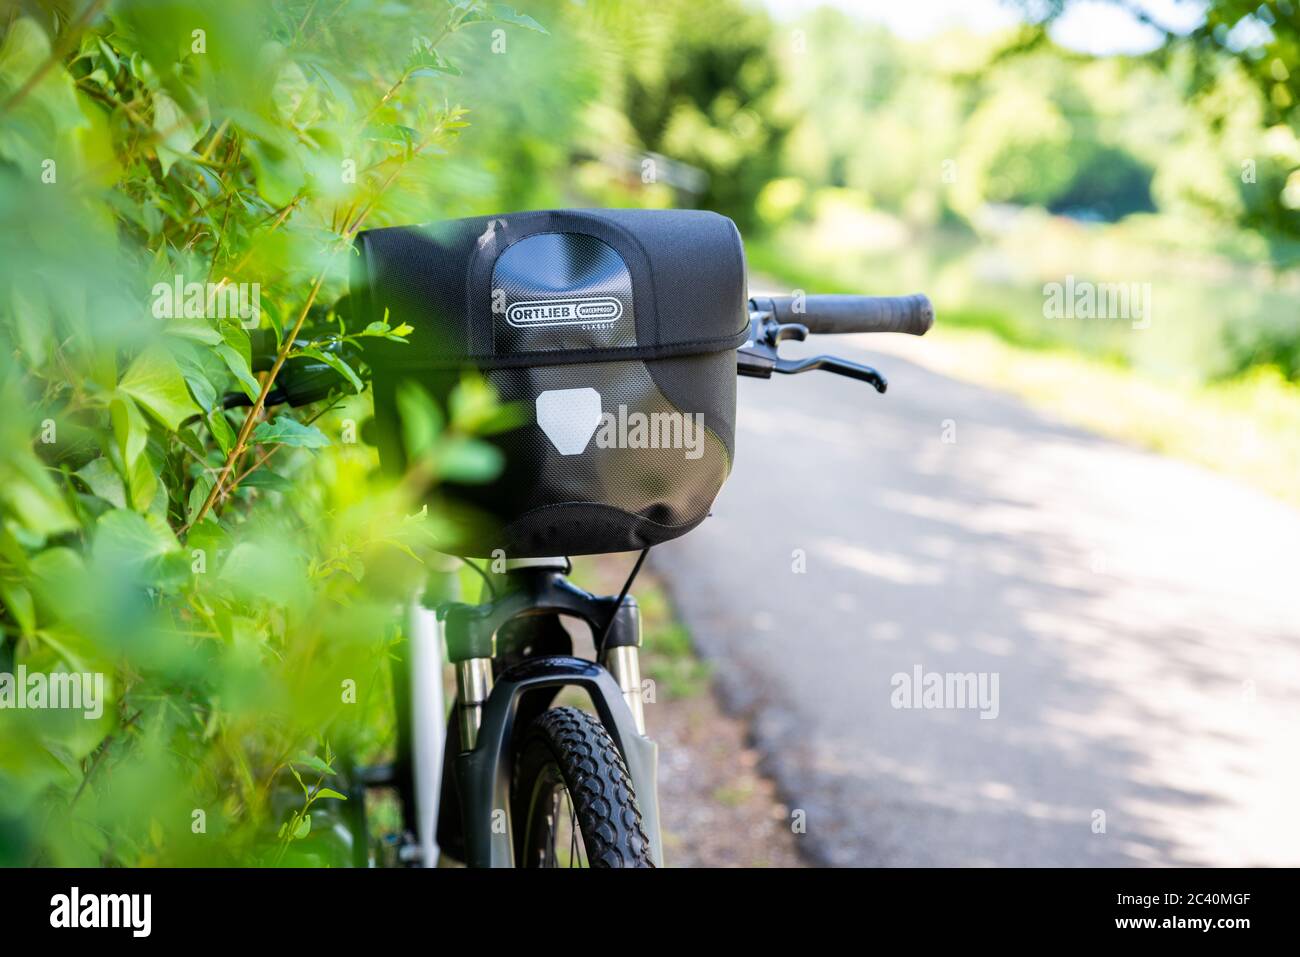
(230, 572)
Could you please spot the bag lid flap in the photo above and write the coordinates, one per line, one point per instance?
(554, 286)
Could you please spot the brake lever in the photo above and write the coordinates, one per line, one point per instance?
(832, 364)
(759, 357)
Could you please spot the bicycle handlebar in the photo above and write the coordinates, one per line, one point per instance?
(821, 314)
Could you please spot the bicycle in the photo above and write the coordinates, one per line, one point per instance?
(513, 780)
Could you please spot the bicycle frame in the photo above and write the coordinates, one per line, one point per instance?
(511, 659)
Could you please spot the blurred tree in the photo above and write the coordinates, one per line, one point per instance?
(1254, 39)
(700, 88)
(1017, 148)
(1043, 133)
(837, 72)
(871, 117)
(1109, 183)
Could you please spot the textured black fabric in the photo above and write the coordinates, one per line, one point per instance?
(687, 272)
(628, 318)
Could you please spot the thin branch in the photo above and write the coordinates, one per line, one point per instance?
(212, 143)
(251, 419)
(232, 156)
(302, 23)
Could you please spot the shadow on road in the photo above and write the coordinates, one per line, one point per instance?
(1140, 616)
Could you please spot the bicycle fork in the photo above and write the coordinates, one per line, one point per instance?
(474, 687)
(490, 713)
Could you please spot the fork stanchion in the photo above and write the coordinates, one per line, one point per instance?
(473, 687)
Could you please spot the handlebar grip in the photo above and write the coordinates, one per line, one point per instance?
(913, 315)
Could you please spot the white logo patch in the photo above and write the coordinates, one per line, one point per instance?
(569, 418)
(589, 310)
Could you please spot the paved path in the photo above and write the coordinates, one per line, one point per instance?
(1142, 617)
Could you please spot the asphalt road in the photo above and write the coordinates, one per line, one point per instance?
(1141, 617)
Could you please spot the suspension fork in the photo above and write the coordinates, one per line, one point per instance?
(487, 710)
(473, 687)
(622, 660)
(533, 586)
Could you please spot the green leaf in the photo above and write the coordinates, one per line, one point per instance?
(237, 353)
(266, 571)
(329, 793)
(30, 325)
(104, 481)
(429, 62)
(221, 430)
(155, 381)
(283, 430)
(475, 408)
(188, 438)
(239, 366)
(37, 507)
(30, 499)
(177, 132)
(303, 828)
(502, 13)
(142, 483)
(296, 98)
(130, 428)
(18, 600)
(469, 460)
(55, 574)
(265, 478)
(198, 495)
(127, 539)
(108, 54)
(204, 392)
(236, 337)
(197, 330)
(337, 364)
(23, 54)
(280, 173)
(421, 420)
(383, 330)
(271, 311)
(313, 762)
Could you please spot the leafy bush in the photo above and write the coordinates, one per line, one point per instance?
(229, 566)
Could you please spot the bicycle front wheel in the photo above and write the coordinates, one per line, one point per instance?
(573, 803)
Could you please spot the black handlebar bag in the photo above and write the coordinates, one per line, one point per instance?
(615, 332)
